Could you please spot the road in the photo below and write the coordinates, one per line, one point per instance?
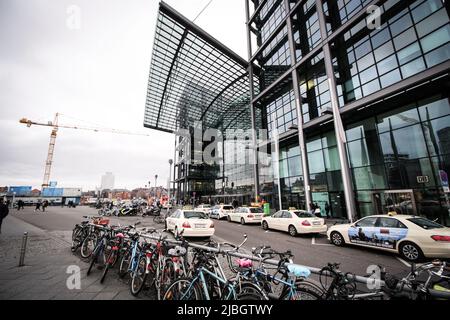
(314, 251)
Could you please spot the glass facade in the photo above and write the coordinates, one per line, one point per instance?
(395, 153)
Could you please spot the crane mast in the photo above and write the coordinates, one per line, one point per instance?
(51, 149)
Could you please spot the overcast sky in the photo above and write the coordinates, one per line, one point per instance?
(94, 74)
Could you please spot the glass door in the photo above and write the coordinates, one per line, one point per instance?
(400, 201)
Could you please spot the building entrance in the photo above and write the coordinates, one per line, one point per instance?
(400, 201)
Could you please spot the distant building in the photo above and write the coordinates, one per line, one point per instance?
(107, 181)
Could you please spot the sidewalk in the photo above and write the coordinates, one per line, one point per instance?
(44, 275)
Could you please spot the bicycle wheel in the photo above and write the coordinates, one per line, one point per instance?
(88, 245)
(93, 261)
(249, 291)
(139, 277)
(166, 277)
(76, 238)
(302, 293)
(124, 264)
(182, 289)
(110, 261)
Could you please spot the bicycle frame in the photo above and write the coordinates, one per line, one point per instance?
(201, 277)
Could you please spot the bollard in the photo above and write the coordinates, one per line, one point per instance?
(23, 249)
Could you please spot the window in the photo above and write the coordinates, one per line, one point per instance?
(304, 214)
(194, 215)
(384, 51)
(425, 223)
(366, 222)
(387, 64)
(277, 214)
(390, 223)
(286, 215)
(431, 23)
(409, 53)
(436, 38)
(405, 39)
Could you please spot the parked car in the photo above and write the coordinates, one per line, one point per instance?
(295, 222)
(205, 208)
(221, 211)
(192, 223)
(412, 237)
(246, 215)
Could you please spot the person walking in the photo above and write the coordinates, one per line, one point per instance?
(327, 209)
(38, 206)
(4, 211)
(44, 205)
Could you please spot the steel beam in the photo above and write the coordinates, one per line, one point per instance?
(298, 106)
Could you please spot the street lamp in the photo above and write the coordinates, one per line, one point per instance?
(170, 176)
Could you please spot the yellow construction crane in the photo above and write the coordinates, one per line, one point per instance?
(55, 125)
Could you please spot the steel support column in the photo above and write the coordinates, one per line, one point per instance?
(338, 125)
(252, 104)
(298, 106)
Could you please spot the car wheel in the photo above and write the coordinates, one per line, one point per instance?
(410, 251)
(292, 230)
(242, 221)
(265, 226)
(337, 239)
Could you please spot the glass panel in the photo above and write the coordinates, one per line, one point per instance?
(431, 23)
(387, 64)
(436, 39)
(331, 156)
(437, 56)
(409, 53)
(425, 9)
(314, 144)
(413, 67)
(430, 108)
(390, 78)
(437, 135)
(316, 162)
(406, 143)
(401, 24)
(295, 168)
(384, 51)
(361, 129)
(329, 139)
(371, 177)
(405, 38)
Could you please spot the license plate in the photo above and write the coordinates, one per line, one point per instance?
(316, 223)
(257, 216)
(199, 226)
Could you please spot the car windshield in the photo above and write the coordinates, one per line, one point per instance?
(425, 223)
(304, 214)
(227, 208)
(256, 210)
(194, 215)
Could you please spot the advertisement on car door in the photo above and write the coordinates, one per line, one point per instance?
(377, 237)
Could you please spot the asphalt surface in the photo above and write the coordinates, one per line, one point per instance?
(314, 251)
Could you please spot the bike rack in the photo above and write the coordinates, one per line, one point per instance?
(372, 282)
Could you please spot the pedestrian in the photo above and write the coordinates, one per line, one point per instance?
(4, 211)
(327, 209)
(38, 206)
(317, 211)
(44, 205)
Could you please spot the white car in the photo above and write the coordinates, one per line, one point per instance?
(295, 222)
(205, 208)
(221, 211)
(246, 215)
(192, 223)
(413, 237)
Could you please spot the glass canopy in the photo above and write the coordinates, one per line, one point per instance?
(193, 77)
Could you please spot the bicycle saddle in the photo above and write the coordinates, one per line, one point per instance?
(299, 271)
(177, 251)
